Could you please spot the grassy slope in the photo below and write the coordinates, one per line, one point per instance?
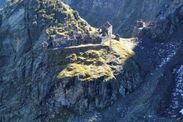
(91, 64)
(94, 64)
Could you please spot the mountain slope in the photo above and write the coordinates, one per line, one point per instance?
(123, 14)
(54, 66)
(39, 82)
(159, 56)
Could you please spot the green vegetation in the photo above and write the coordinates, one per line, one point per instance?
(94, 64)
(63, 21)
(88, 65)
(123, 48)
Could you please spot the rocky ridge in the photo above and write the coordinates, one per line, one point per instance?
(160, 46)
(90, 82)
(38, 84)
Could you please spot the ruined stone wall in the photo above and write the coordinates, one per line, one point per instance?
(56, 55)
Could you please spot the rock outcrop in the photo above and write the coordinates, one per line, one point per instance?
(118, 80)
(39, 84)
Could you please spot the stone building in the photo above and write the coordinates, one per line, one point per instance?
(106, 29)
(106, 32)
(138, 27)
(141, 27)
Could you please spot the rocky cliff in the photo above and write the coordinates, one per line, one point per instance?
(54, 84)
(158, 52)
(119, 80)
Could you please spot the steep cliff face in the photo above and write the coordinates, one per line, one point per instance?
(122, 13)
(126, 80)
(38, 84)
(159, 57)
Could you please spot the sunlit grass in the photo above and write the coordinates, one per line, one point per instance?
(123, 47)
(93, 64)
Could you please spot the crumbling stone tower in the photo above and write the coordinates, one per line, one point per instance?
(106, 29)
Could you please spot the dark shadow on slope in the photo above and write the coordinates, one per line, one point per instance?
(169, 81)
(156, 61)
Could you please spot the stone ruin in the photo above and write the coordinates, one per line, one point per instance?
(56, 41)
(106, 30)
(141, 25)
